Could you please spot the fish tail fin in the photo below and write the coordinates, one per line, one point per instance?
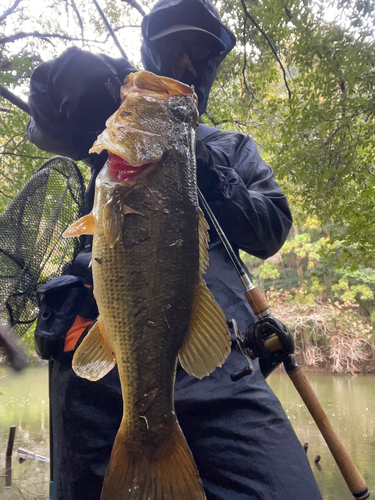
(166, 472)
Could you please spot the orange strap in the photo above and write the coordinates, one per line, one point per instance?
(78, 327)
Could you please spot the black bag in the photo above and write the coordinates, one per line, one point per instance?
(62, 300)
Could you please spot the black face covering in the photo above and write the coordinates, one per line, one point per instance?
(195, 76)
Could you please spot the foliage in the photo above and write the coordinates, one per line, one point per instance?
(18, 158)
(28, 342)
(329, 308)
(320, 141)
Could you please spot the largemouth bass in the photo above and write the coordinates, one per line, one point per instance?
(150, 249)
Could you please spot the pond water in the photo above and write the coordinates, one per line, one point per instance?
(348, 401)
(24, 403)
(350, 406)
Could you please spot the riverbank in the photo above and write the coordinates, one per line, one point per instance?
(324, 367)
(364, 367)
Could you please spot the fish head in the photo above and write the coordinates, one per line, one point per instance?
(154, 111)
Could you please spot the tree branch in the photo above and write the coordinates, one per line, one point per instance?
(9, 11)
(36, 34)
(221, 122)
(9, 96)
(6, 195)
(247, 14)
(136, 6)
(9, 179)
(109, 28)
(332, 135)
(25, 156)
(245, 61)
(75, 8)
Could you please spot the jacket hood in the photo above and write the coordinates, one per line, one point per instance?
(199, 13)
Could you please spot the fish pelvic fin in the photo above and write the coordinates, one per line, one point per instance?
(84, 225)
(207, 343)
(164, 472)
(94, 358)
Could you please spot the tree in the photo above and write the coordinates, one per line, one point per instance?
(318, 131)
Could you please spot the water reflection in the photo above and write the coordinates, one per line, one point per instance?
(24, 403)
(349, 404)
(347, 400)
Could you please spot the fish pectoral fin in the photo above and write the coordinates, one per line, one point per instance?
(112, 219)
(207, 343)
(94, 358)
(203, 242)
(166, 471)
(84, 225)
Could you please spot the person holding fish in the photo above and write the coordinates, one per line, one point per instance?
(242, 444)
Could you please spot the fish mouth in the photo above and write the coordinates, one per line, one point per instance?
(120, 171)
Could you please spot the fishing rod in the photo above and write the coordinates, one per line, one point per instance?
(269, 339)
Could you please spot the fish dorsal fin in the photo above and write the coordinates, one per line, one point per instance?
(207, 343)
(203, 242)
(94, 358)
(84, 225)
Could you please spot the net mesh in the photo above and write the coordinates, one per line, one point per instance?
(32, 250)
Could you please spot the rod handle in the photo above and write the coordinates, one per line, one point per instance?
(256, 300)
(349, 471)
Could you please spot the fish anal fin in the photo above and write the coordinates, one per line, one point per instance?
(167, 472)
(84, 225)
(207, 343)
(94, 358)
(203, 242)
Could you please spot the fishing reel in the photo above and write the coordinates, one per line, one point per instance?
(267, 339)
